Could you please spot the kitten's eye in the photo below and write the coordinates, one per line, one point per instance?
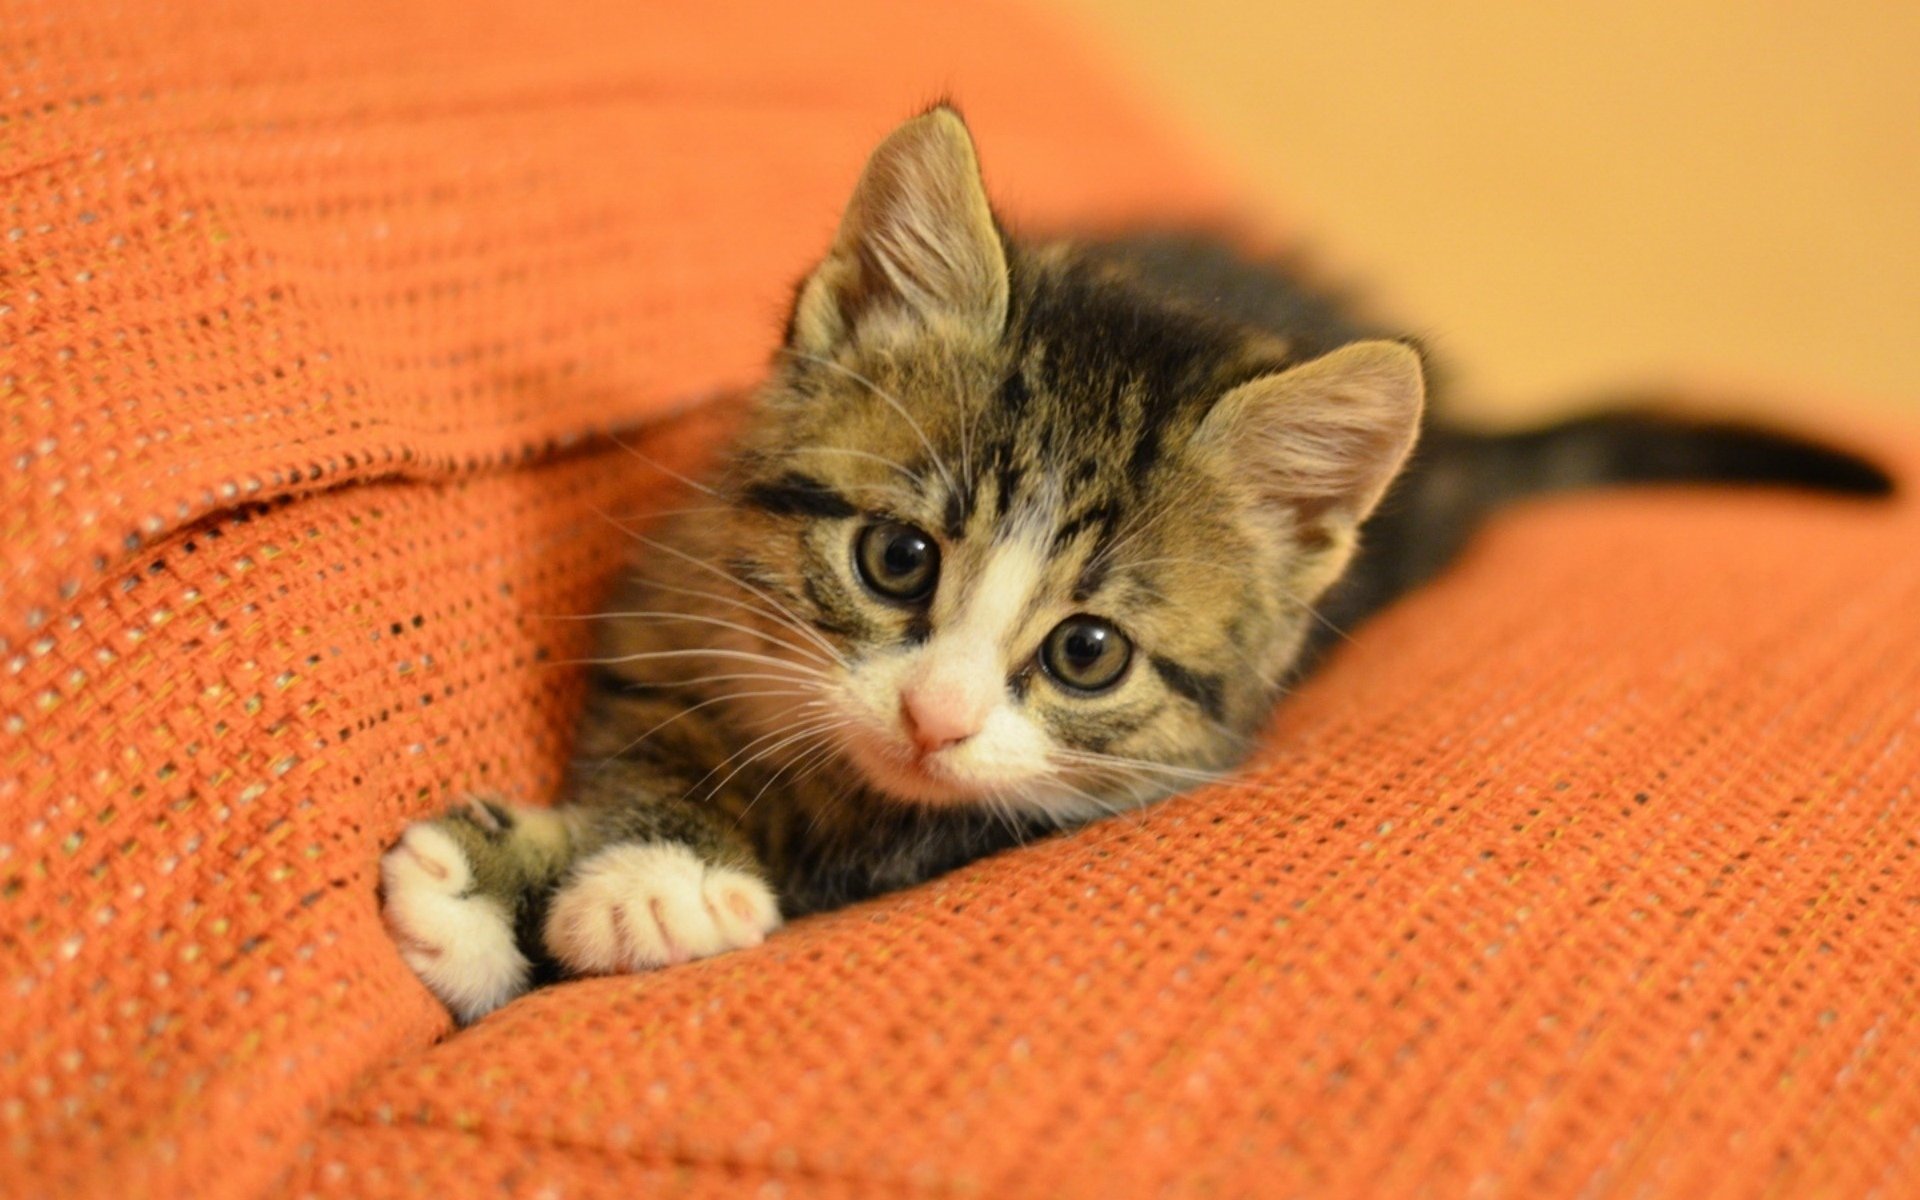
(1086, 653)
(898, 561)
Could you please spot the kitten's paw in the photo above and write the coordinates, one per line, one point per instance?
(647, 904)
(458, 942)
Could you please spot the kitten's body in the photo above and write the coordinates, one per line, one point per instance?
(1146, 446)
(1458, 475)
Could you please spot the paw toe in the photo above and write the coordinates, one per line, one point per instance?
(743, 907)
(635, 907)
(426, 857)
(681, 927)
(460, 945)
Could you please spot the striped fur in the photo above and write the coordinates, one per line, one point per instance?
(1150, 433)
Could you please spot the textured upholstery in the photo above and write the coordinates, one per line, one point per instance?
(326, 334)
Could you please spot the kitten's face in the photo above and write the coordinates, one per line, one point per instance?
(1035, 536)
(1021, 618)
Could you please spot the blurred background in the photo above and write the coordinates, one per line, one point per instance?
(1571, 196)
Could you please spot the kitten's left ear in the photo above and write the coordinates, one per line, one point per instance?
(916, 241)
(1325, 438)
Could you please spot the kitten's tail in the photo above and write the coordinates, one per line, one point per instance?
(1638, 447)
(1456, 478)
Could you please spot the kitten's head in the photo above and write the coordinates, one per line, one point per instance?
(1053, 540)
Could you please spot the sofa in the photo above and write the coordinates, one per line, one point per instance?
(338, 344)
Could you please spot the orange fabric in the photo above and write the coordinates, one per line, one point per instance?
(1590, 870)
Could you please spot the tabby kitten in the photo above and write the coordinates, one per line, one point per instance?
(1019, 535)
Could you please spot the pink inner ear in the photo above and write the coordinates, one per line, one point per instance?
(918, 232)
(1328, 436)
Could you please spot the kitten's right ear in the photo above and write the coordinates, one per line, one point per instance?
(917, 241)
(1323, 439)
(1320, 442)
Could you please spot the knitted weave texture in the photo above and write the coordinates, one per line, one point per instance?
(334, 342)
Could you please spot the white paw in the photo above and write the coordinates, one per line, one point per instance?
(643, 905)
(460, 945)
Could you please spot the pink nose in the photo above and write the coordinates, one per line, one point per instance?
(937, 717)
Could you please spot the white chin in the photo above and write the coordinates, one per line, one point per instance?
(917, 785)
(914, 783)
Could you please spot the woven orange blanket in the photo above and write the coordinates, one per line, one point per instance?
(1589, 871)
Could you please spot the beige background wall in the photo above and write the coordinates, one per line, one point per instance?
(1571, 195)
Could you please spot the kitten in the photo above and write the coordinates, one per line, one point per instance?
(1019, 535)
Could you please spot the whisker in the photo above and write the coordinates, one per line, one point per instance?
(1050, 806)
(606, 760)
(999, 808)
(1113, 549)
(709, 651)
(819, 727)
(654, 515)
(868, 455)
(969, 420)
(815, 722)
(814, 756)
(723, 575)
(1317, 615)
(820, 758)
(881, 392)
(839, 797)
(1106, 806)
(694, 708)
(1143, 792)
(1190, 562)
(1097, 758)
(779, 613)
(1111, 553)
(1141, 774)
(664, 469)
(1141, 782)
(698, 680)
(700, 619)
(775, 606)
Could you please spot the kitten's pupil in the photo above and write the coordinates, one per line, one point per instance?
(905, 555)
(1086, 653)
(1082, 646)
(897, 561)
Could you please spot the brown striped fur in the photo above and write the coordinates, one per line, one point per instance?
(1151, 432)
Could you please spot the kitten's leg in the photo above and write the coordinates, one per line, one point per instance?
(458, 889)
(667, 880)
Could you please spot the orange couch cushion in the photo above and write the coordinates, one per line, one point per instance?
(1589, 869)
